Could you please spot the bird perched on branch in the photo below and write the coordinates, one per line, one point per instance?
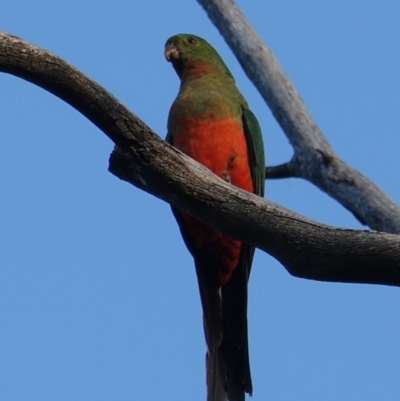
(211, 122)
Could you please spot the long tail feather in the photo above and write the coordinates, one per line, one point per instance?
(211, 301)
(235, 338)
(216, 386)
(225, 327)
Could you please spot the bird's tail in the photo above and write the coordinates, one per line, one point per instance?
(228, 373)
(215, 371)
(234, 347)
(211, 301)
(225, 327)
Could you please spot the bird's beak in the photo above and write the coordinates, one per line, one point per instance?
(171, 52)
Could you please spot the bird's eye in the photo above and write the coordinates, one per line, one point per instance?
(192, 41)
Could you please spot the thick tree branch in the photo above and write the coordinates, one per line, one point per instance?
(306, 249)
(314, 159)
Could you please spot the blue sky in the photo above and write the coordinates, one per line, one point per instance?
(98, 296)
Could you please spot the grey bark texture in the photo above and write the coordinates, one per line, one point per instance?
(305, 248)
(313, 159)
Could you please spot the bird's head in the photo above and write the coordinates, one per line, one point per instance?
(190, 54)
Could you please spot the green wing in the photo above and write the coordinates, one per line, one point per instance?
(255, 146)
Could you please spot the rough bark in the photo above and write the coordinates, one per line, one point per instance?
(314, 159)
(305, 248)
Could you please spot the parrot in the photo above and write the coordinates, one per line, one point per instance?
(211, 122)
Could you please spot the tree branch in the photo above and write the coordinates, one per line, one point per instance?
(314, 159)
(282, 171)
(306, 249)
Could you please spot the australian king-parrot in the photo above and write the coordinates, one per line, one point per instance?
(211, 122)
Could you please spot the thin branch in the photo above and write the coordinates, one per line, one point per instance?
(306, 249)
(277, 172)
(314, 159)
